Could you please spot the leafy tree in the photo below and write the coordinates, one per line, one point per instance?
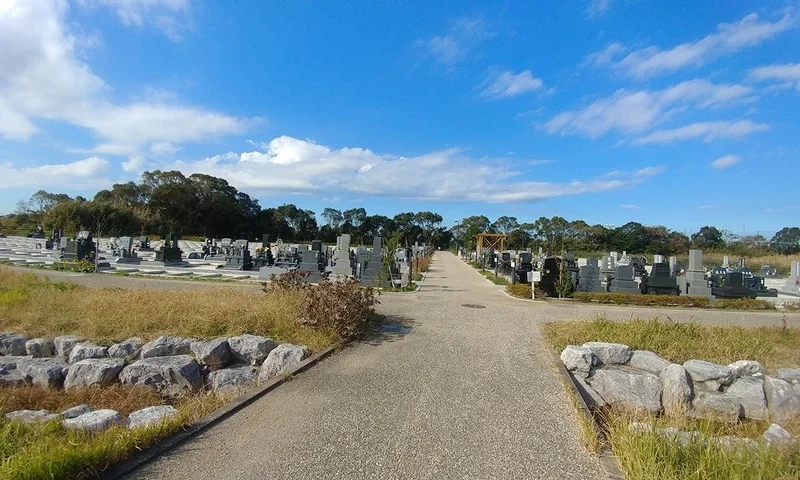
(333, 217)
(505, 224)
(786, 240)
(708, 237)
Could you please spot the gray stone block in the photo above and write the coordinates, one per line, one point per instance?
(648, 361)
(40, 347)
(94, 372)
(628, 388)
(283, 357)
(151, 416)
(677, 389)
(94, 422)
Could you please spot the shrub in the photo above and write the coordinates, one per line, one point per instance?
(743, 304)
(608, 298)
(80, 266)
(519, 290)
(342, 306)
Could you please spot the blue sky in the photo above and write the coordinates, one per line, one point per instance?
(681, 114)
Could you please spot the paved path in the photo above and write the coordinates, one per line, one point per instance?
(444, 391)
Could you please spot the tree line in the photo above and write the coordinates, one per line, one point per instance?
(206, 206)
(555, 235)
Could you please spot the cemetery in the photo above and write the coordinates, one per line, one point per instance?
(589, 278)
(222, 259)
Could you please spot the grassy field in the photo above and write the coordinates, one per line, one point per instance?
(651, 456)
(36, 307)
(288, 310)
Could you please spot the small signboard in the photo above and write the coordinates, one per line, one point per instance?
(535, 276)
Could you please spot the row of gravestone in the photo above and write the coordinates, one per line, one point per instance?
(616, 375)
(171, 365)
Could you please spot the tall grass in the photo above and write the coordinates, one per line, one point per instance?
(651, 456)
(36, 306)
(773, 347)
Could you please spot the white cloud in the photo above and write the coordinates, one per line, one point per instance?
(633, 112)
(606, 56)
(291, 165)
(729, 38)
(460, 40)
(507, 84)
(597, 7)
(725, 162)
(168, 16)
(629, 206)
(80, 172)
(42, 77)
(789, 73)
(708, 131)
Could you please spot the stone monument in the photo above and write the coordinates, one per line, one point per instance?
(694, 281)
(623, 281)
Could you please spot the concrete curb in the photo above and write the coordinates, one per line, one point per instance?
(142, 458)
(606, 456)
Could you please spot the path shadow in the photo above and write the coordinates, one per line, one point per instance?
(388, 328)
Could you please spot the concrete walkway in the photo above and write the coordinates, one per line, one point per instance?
(444, 391)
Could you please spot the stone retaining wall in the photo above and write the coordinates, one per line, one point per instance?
(616, 375)
(171, 365)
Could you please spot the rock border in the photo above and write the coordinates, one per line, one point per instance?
(608, 461)
(142, 457)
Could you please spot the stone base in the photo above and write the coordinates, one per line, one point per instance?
(128, 260)
(624, 286)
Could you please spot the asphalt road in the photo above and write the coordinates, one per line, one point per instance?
(442, 390)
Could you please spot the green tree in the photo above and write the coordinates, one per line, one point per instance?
(708, 237)
(786, 241)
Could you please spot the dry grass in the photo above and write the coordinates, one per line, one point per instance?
(651, 456)
(782, 262)
(122, 399)
(773, 347)
(38, 307)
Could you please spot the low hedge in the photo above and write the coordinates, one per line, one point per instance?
(688, 301)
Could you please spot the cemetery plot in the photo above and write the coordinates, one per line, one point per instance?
(618, 278)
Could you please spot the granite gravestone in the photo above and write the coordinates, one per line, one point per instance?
(623, 281)
(694, 281)
(794, 278)
(589, 277)
(342, 266)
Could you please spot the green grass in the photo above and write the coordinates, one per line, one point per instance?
(650, 456)
(47, 451)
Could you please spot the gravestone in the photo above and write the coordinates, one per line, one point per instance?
(725, 262)
(658, 259)
(342, 266)
(82, 248)
(169, 253)
(316, 245)
(589, 277)
(144, 243)
(660, 281)
(369, 275)
(310, 263)
(794, 278)
(694, 281)
(623, 281)
(673, 266)
(238, 257)
(732, 286)
(126, 252)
